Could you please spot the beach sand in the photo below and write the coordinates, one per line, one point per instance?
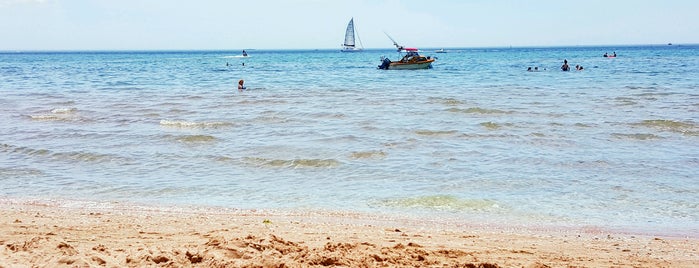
(51, 234)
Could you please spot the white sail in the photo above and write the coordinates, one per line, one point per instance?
(349, 45)
(349, 34)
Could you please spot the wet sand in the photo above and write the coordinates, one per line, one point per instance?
(50, 234)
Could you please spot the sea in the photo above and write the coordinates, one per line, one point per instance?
(475, 139)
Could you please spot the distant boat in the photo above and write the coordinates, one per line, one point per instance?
(349, 45)
(440, 51)
(669, 44)
(411, 59)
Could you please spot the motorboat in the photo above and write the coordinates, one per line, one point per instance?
(410, 59)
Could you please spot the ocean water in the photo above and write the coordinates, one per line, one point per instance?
(476, 138)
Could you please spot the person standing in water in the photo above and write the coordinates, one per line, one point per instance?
(241, 87)
(565, 66)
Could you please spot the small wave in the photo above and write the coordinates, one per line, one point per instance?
(478, 110)
(64, 103)
(70, 156)
(637, 136)
(639, 87)
(196, 138)
(624, 101)
(272, 119)
(487, 136)
(189, 124)
(295, 163)
(491, 125)
(223, 159)
(10, 69)
(408, 143)
(328, 115)
(87, 157)
(18, 172)
(670, 125)
(262, 101)
(69, 110)
(57, 114)
(655, 94)
(435, 132)
(368, 154)
(442, 202)
(446, 101)
(49, 117)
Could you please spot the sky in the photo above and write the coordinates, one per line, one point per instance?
(320, 24)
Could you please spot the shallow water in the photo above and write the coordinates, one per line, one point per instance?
(476, 138)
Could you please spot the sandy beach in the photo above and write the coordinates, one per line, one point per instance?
(50, 234)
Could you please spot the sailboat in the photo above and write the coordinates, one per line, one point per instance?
(349, 45)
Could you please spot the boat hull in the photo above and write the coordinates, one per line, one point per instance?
(351, 49)
(397, 65)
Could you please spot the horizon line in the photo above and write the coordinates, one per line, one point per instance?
(329, 49)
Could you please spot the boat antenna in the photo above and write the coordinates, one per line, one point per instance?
(399, 47)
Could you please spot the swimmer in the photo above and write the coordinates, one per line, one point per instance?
(565, 66)
(241, 87)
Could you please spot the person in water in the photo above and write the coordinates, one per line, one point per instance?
(578, 67)
(241, 87)
(565, 66)
(245, 54)
(605, 55)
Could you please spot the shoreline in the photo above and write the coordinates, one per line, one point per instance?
(330, 215)
(50, 233)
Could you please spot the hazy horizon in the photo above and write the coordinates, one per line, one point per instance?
(83, 25)
(338, 49)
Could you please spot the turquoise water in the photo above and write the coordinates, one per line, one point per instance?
(477, 138)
